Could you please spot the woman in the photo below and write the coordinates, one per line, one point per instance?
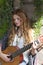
(20, 35)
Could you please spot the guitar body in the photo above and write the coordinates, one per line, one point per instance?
(17, 56)
(8, 50)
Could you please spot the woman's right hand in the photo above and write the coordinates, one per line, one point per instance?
(4, 57)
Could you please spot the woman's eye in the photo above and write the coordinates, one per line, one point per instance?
(18, 19)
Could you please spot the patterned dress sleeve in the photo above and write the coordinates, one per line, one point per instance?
(4, 40)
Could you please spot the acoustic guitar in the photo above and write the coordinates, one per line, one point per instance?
(14, 54)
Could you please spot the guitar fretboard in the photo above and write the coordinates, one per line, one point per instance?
(20, 51)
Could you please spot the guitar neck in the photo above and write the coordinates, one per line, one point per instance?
(20, 51)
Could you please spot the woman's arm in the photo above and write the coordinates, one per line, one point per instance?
(40, 39)
(37, 45)
(3, 45)
(2, 55)
(4, 40)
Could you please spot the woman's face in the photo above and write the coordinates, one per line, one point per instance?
(17, 20)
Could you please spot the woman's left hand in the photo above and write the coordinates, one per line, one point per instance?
(33, 51)
(34, 46)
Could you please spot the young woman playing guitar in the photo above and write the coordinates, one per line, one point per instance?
(21, 34)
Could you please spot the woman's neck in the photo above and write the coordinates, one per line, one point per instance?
(19, 31)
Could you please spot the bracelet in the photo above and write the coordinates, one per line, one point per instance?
(36, 42)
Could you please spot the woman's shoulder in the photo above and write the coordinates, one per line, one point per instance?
(6, 35)
(31, 34)
(31, 30)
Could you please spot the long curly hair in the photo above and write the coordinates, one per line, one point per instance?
(26, 28)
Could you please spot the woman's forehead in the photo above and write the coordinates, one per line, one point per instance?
(16, 16)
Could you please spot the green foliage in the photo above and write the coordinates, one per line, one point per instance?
(38, 7)
(5, 16)
(38, 26)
